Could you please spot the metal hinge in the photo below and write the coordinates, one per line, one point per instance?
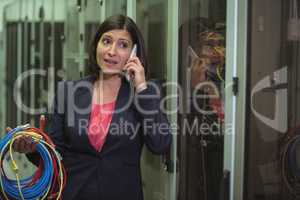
(169, 166)
(235, 85)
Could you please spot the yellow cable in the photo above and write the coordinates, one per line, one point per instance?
(219, 73)
(19, 186)
(220, 51)
(1, 155)
(14, 166)
(37, 138)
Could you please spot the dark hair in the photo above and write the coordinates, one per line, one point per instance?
(118, 22)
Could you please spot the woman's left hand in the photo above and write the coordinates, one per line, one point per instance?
(136, 69)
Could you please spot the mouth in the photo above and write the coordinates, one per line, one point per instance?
(110, 61)
(111, 66)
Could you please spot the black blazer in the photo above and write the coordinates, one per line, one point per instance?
(114, 173)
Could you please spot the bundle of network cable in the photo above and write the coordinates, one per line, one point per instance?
(48, 180)
(289, 164)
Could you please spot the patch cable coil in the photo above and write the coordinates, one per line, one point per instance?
(49, 179)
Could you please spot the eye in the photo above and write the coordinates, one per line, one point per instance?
(105, 41)
(123, 45)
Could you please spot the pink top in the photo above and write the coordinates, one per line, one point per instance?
(100, 119)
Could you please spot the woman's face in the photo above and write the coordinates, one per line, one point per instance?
(113, 50)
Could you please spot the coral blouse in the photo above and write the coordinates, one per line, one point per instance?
(100, 119)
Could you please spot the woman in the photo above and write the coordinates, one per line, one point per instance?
(101, 121)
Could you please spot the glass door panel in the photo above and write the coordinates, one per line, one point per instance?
(92, 19)
(73, 39)
(151, 17)
(115, 7)
(272, 151)
(201, 115)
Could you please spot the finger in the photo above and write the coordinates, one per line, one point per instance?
(17, 145)
(131, 65)
(8, 129)
(139, 62)
(134, 64)
(28, 143)
(134, 59)
(22, 146)
(132, 70)
(33, 146)
(136, 69)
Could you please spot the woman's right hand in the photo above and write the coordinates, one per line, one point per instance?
(23, 144)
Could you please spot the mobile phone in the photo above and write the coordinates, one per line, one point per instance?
(133, 53)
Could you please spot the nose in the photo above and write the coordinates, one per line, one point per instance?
(112, 50)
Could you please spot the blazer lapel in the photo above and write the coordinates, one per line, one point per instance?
(123, 101)
(84, 100)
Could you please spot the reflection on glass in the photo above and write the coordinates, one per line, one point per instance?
(272, 164)
(151, 18)
(202, 74)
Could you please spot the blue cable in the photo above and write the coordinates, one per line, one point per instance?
(37, 190)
